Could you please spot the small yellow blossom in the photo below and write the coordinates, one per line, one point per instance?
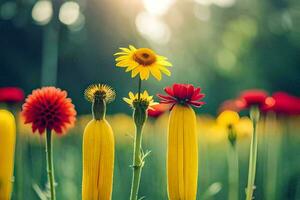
(144, 100)
(228, 118)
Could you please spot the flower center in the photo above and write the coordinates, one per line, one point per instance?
(144, 56)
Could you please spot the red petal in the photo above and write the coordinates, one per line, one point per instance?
(169, 91)
(165, 97)
(190, 91)
(196, 103)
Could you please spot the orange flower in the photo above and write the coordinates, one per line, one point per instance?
(49, 108)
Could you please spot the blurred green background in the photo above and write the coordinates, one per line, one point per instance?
(224, 46)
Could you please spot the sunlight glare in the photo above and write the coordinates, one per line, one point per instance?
(158, 7)
(152, 28)
(42, 12)
(69, 13)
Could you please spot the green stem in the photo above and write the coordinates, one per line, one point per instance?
(254, 115)
(50, 169)
(233, 173)
(273, 151)
(137, 163)
(139, 88)
(19, 167)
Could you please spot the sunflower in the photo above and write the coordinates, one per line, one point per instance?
(145, 100)
(142, 61)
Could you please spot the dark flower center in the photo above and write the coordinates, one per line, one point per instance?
(144, 56)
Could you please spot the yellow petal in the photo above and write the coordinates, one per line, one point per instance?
(132, 66)
(121, 53)
(156, 73)
(98, 160)
(144, 73)
(164, 63)
(145, 94)
(165, 70)
(132, 48)
(7, 150)
(127, 100)
(135, 71)
(125, 50)
(123, 63)
(122, 58)
(161, 57)
(182, 160)
(131, 95)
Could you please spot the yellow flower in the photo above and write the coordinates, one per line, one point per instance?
(145, 100)
(142, 61)
(228, 118)
(7, 150)
(182, 156)
(105, 91)
(98, 147)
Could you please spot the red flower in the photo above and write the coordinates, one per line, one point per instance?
(158, 110)
(185, 94)
(49, 108)
(11, 95)
(250, 98)
(285, 104)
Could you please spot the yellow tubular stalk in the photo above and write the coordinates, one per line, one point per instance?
(182, 155)
(98, 161)
(7, 150)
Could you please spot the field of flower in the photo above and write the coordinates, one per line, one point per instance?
(149, 100)
(277, 165)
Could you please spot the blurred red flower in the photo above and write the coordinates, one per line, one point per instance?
(285, 104)
(158, 110)
(185, 94)
(49, 108)
(253, 97)
(11, 95)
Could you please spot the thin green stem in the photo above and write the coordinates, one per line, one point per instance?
(273, 151)
(233, 173)
(139, 88)
(137, 163)
(254, 114)
(50, 170)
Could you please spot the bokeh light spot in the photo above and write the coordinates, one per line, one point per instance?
(42, 12)
(69, 12)
(152, 28)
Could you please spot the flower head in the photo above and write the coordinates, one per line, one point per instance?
(284, 104)
(253, 97)
(11, 95)
(102, 91)
(228, 118)
(49, 108)
(142, 61)
(145, 100)
(185, 94)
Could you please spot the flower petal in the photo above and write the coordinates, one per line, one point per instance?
(156, 73)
